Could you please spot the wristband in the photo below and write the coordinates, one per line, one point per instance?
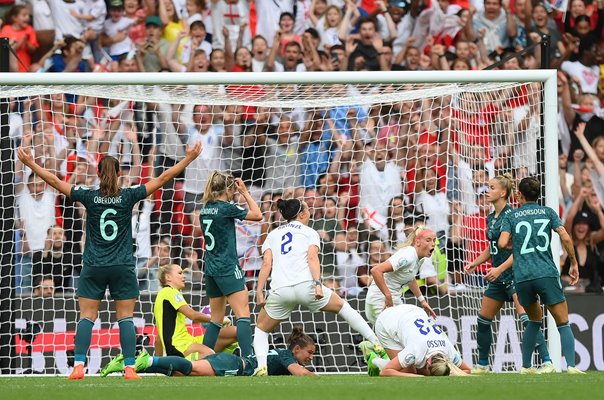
(317, 282)
(421, 299)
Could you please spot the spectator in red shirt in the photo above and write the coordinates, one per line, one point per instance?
(17, 29)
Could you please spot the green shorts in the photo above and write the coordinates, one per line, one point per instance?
(219, 286)
(502, 291)
(121, 280)
(225, 364)
(548, 289)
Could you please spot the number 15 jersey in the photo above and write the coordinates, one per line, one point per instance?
(108, 225)
(531, 228)
(289, 245)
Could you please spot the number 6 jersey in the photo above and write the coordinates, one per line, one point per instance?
(108, 225)
(407, 328)
(289, 245)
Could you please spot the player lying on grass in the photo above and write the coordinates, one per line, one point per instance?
(290, 361)
(501, 287)
(291, 252)
(415, 345)
(528, 230)
(170, 311)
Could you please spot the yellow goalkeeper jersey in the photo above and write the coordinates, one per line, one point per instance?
(169, 322)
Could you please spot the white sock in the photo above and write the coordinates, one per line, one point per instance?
(380, 362)
(261, 347)
(76, 363)
(150, 361)
(357, 322)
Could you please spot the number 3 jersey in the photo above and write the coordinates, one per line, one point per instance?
(217, 221)
(108, 225)
(289, 245)
(407, 328)
(531, 228)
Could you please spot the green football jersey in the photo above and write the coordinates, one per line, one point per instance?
(498, 256)
(217, 221)
(277, 362)
(531, 227)
(108, 225)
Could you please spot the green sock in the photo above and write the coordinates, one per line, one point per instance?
(542, 349)
(567, 340)
(528, 342)
(170, 364)
(244, 336)
(127, 339)
(484, 338)
(211, 335)
(82, 339)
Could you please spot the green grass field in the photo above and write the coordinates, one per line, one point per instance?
(332, 387)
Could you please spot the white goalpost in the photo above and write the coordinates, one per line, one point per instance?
(369, 151)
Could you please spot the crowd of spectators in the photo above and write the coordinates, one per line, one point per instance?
(368, 174)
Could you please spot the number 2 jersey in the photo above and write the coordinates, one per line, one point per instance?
(108, 225)
(289, 245)
(407, 328)
(531, 227)
(217, 219)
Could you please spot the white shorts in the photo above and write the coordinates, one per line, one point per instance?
(282, 301)
(394, 324)
(375, 301)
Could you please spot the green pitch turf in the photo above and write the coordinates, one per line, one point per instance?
(331, 387)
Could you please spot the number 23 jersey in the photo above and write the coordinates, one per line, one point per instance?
(108, 225)
(289, 245)
(416, 335)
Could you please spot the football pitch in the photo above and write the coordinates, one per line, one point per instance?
(332, 387)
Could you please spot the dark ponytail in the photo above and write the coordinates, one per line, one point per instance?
(108, 171)
(530, 187)
(299, 338)
(290, 209)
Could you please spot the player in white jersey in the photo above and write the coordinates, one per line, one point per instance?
(400, 270)
(292, 253)
(415, 344)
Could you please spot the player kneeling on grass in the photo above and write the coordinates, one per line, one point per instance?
(170, 310)
(290, 361)
(415, 344)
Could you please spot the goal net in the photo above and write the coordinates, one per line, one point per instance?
(372, 155)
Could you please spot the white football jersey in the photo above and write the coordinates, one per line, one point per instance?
(410, 329)
(289, 245)
(405, 265)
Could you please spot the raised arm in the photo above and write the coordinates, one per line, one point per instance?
(168, 175)
(254, 213)
(27, 159)
(591, 153)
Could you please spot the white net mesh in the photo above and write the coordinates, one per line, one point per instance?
(369, 159)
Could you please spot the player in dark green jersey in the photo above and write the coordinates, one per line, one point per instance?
(501, 279)
(223, 275)
(290, 361)
(108, 259)
(528, 230)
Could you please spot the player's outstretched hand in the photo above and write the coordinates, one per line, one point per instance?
(469, 269)
(574, 273)
(25, 156)
(193, 151)
(428, 309)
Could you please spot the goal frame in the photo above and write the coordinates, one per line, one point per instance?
(549, 109)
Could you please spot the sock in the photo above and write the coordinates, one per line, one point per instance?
(170, 364)
(567, 340)
(357, 322)
(127, 339)
(211, 335)
(261, 346)
(82, 339)
(244, 336)
(528, 343)
(380, 362)
(484, 338)
(542, 349)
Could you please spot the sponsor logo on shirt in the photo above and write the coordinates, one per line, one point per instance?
(178, 297)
